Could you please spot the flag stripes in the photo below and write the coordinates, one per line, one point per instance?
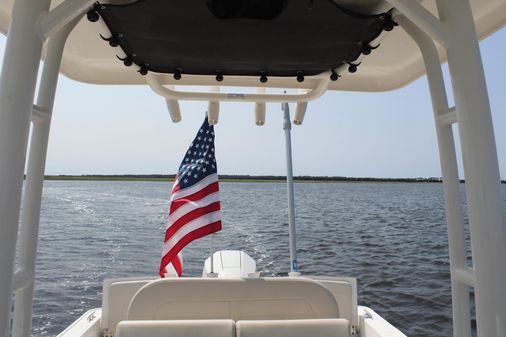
(195, 209)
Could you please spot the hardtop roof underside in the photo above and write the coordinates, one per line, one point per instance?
(397, 62)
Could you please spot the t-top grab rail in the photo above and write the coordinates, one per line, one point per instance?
(153, 80)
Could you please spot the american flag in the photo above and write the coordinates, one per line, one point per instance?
(194, 203)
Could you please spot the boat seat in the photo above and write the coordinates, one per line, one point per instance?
(236, 299)
(294, 328)
(176, 328)
(116, 297)
(345, 293)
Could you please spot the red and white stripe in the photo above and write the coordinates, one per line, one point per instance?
(194, 213)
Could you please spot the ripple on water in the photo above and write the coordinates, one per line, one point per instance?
(390, 236)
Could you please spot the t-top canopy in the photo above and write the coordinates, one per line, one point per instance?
(397, 62)
(240, 37)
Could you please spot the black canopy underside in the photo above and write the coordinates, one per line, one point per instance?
(240, 37)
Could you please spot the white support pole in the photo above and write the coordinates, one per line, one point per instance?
(424, 19)
(211, 250)
(449, 169)
(63, 14)
(17, 86)
(287, 126)
(485, 208)
(32, 195)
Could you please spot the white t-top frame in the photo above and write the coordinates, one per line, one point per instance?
(31, 24)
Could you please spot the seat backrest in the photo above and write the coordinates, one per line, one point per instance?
(344, 290)
(116, 297)
(294, 328)
(176, 328)
(236, 299)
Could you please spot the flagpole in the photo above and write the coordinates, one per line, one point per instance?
(212, 253)
(287, 126)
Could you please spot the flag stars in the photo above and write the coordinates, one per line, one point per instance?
(199, 161)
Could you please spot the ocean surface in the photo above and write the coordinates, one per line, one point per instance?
(391, 236)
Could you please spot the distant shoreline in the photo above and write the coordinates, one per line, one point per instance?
(241, 178)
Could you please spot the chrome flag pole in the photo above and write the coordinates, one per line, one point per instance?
(287, 126)
(211, 248)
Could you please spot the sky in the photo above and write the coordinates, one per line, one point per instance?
(127, 130)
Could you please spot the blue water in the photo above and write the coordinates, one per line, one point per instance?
(390, 236)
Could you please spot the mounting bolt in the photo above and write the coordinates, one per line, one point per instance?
(352, 68)
(92, 15)
(114, 40)
(366, 50)
(143, 71)
(128, 61)
(300, 76)
(389, 23)
(334, 76)
(177, 74)
(219, 76)
(263, 77)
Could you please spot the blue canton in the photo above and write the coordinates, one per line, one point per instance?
(199, 161)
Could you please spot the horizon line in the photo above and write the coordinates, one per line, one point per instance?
(242, 177)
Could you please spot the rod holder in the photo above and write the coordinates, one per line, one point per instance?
(213, 108)
(174, 110)
(300, 111)
(260, 109)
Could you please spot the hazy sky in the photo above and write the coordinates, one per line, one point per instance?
(127, 129)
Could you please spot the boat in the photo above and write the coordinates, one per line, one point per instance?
(307, 47)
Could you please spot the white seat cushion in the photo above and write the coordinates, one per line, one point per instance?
(294, 328)
(236, 299)
(116, 299)
(176, 328)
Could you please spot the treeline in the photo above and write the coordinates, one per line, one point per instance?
(328, 178)
(228, 177)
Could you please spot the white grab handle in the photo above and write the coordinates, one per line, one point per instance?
(153, 80)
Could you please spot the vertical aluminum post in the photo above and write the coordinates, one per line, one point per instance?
(17, 86)
(287, 126)
(32, 195)
(485, 209)
(448, 160)
(211, 250)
